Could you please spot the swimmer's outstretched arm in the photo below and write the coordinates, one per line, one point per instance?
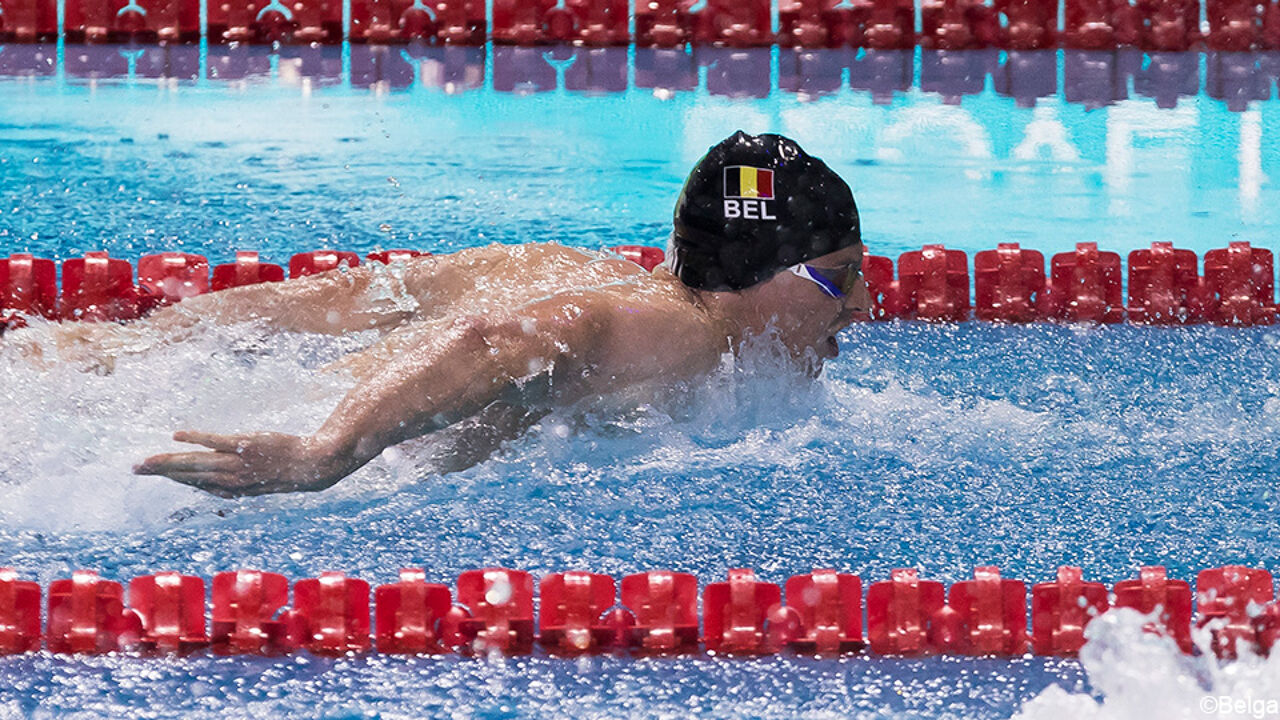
(424, 389)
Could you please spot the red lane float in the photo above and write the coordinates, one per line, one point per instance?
(1085, 286)
(991, 614)
(828, 606)
(19, 614)
(1061, 610)
(170, 608)
(498, 611)
(245, 608)
(571, 615)
(98, 287)
(933, 284)
(86, 615)
(1164, 287)
(1154, 591)
(1236, 608)
(386, 257)
(330, 614)
(1008, 283)
(1167, 25)
(1092, 24)
(901, 613)
(1229, 599)
(409, 613)
(28, 285)
(319, 261)
(1241, 282)
(665, 607)
(734, 23)
(164, 21)
(734, 614)
(646, 257)
(246, 270)
(170, 277)
(453, 22)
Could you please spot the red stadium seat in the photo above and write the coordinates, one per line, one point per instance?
(1168, 25)
(958, 24)
(734, 23)
(302, 21)
(500, 605)
(665, 605)
(571, 611)
(138, 20)
(888, 24)
(813, 23)
(330, 614)
(829, 606)
(1234, 25)
(900, 612)
(1061, 610)
(246, 270)
(19, 614)
(408, 613)
(27, 21)
(1153, 589)
(1008, 283)
(1028, 24)
(319, 261)
(1228, 599)
(87, 615)
(734, 614)
(664, 23)
(245, 605)
(171, 609)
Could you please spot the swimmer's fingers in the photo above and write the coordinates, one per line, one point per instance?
(213, 441)
(224, 485)
(197, 462)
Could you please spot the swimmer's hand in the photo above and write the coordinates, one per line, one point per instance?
(245, 464)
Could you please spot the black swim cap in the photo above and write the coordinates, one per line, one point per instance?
(756, 205)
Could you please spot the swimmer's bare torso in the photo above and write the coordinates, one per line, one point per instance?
(462, 338)
(462, 335)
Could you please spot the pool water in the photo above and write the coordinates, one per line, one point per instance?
(939, 447)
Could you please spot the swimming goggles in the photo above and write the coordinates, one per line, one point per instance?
(831, 282)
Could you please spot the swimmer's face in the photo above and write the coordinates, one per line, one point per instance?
(807, 318)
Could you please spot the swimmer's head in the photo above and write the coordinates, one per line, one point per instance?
(755, 206)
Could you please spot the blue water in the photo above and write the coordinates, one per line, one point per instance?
(940, 447)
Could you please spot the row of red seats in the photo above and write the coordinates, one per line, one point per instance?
(946, 24)
(98, 287)
(1011, 285)
(655, 613)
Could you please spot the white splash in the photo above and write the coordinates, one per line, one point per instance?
(1140, 675)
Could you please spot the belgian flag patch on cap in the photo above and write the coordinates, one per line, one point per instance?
(742, 181)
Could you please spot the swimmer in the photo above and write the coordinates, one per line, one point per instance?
(484, 342)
